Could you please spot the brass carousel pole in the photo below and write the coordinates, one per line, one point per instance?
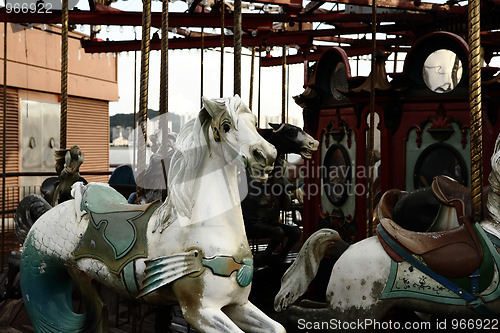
(371, 141)
(64, 75)
(476, 140)
(143, 102)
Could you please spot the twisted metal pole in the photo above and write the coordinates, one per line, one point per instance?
(201, 66)
(163, 114)
(4, 137)
(237, 47)
(252, 69)
(164, 61)
(283, 85)
(371, 141)
(222, 35)
(64, 76)
(258, 97)
(476, 141)
(143, 92)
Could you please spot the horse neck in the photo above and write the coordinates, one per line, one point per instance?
(279, 164)
(216, 196)
(493, 203)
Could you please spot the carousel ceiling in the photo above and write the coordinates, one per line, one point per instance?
(307, 27)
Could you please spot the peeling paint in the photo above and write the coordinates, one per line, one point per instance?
(42, 267)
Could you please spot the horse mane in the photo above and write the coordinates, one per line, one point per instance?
(493, 203)
(191, 148)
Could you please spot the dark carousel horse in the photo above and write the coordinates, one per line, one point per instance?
(153, 185)
(55, 190)
(261, 207)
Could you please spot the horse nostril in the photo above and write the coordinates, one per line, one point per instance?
(259, 156)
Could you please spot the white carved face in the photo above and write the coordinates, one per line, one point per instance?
(234, 131)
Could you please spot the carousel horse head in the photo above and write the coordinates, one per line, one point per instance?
(495, 158)
(290, 139)
(192, 248)
(230, 128)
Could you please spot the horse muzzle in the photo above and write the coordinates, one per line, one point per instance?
(260, 162)
(309, 147)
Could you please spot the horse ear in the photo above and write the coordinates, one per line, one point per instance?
(212, 107)
(274, 126)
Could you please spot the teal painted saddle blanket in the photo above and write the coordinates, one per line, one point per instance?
(116, 234)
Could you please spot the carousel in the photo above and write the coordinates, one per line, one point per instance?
(389, 219)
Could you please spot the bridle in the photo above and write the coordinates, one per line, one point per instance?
(215, 124)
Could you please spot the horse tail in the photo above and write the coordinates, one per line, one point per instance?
(303, 270)
(27, 212)
(47, 285)
(47, 293)
(47, 281)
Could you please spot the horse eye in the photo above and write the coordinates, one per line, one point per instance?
(226, 127)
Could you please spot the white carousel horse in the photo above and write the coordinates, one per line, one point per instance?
(365, 283)
(199, 226)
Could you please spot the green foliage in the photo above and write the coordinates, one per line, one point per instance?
(127, 119)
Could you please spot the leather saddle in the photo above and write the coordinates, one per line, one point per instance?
(451, 253)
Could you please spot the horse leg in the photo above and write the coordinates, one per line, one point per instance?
(201, 300)
(250, 319)
(276, 235)
(209, 320)
(293, 235)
